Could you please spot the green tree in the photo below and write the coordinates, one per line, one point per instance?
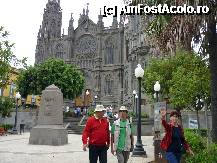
(27, 82)
(7, 58)
(53, 71)
(6, 105)
(179, 31)
(183, 78)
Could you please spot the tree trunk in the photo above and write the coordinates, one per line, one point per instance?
(178, 109)
(212, 50)
(198, 120)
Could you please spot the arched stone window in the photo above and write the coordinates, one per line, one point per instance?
(109, 51)
(59, 51)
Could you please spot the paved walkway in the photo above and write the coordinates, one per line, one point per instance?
(15, 149)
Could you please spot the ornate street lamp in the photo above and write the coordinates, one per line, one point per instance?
(139, 150)
(157, 89)
(17, 97)
(157, 139)
(134, 94)
(87, 94)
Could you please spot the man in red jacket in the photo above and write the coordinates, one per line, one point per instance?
(96, 136)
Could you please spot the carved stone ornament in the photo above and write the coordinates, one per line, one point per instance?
(86, 45)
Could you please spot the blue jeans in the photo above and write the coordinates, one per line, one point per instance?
(173, 157)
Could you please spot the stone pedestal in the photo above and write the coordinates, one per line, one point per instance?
(48, 135)
(159, 154)
(49, 129)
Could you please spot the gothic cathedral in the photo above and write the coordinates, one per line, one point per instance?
(107, 56)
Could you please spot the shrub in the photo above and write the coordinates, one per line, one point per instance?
(6, 126)
(133, 114)
(202, 132)
(198, 145)
(144, 115)
(6, 105)
(208, 155)
(196, 142)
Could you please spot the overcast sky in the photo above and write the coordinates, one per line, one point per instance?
(22, 19)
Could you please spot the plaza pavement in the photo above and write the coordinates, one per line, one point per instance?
(15, 149)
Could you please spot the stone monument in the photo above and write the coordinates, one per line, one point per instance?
(49, 129)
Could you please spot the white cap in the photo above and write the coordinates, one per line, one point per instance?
(123, 108)
(99, 108)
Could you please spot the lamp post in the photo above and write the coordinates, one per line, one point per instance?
(87, 93)
(157, 89)
(136, 101)
(95, 98)
(134, 94)
(158, 153)
(157, 125)
(199, 106)
(139, 150)
(17, 97)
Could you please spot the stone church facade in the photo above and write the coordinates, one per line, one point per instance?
(108, 56)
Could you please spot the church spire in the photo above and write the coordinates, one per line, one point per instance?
(39, 33)
(71, 21)
(87, 10)
(49, 30)
(100, 22)
(115, 22)
(84, 16)
(52, 19)
(122, 19)
(71, 26)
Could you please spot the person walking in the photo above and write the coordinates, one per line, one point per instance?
(174, 142)
(121, 136)
(105, 115)
(97, 131)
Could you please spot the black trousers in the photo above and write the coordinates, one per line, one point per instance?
(96, 151)
(22, 128)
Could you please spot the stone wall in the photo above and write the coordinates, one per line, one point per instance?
(146, 126)
(186, 116)
(29, 119)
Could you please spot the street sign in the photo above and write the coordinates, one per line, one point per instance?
(193, 124)
(157, 107)
(157, 116)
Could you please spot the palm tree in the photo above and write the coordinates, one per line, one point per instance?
(178, 31)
